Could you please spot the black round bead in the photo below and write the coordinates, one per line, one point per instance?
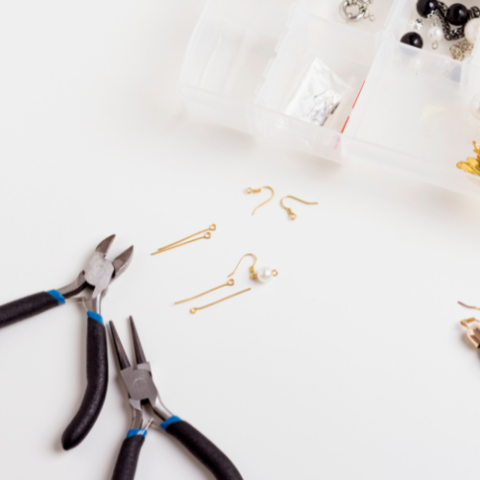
(413, 39)
(457, 15)
(426, 7)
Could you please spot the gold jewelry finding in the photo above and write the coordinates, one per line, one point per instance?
(472, 165)
(258, 190)
(292, 215)
(473, 327)
(473, 331)
(196, 309)
(182, 242)
(230, 283)
(264, 274)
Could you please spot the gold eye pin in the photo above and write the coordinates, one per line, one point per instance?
(472, 165)
(196, 309)
(264, 274)
(258, 190)
(182, 242)
(230, 283)
(292, 215)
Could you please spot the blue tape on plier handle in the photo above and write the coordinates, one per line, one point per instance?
(95, 316)
(57, 296)
(137, 431)
(169, 421)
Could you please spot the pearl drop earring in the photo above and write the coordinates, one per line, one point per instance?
(258, 190)
(264, 274)
(435, 33)
(292, 215)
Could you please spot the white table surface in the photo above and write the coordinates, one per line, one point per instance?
(351, 364)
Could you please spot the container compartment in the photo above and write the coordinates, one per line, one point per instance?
(349, 53)
(330, 10)
(405, 12)
(413, 115)
(228, 55)
(310, 38)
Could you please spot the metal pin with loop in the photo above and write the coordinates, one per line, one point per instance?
(363, 11)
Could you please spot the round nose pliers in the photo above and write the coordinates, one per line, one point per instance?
(91, 284)
(143, 393)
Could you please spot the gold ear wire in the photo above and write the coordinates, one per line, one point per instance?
(258, 190)
(292, 215)
(196, 309)
(230, 283)
(182, 242)
(253, 275)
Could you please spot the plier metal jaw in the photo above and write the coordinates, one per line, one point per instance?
(143, 395)
(93, 282)
(91, 286)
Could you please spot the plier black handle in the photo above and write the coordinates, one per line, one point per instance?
(92, 284)
(142, 392)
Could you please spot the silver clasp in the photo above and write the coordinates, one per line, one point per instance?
(363, 11)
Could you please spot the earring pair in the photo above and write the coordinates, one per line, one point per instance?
(263, 274)
(292, 215)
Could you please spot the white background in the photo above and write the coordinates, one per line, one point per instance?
(351, 364)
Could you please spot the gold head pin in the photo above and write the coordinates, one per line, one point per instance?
(472, 165)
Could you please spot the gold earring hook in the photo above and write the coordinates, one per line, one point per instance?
(292, 215)
(230, 283)
(258, 190)
(253, 275)
(196, 309)
(182, 242)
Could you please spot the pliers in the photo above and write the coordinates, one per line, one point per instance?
(142, 392)
(92, 283)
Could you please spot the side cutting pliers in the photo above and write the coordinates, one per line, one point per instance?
(91, 284)
(143, 393)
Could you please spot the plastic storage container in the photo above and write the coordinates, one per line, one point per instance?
(407, 109)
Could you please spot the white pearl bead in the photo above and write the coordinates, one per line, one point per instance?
(475, 106)
(264, 274)
(472, 30)
(435, 34)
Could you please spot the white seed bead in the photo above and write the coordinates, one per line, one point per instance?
(435, 34)
(475, 106)
(472, 30)
(264, 274)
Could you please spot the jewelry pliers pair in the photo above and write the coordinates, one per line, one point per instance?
(142, 394)
(92, 284)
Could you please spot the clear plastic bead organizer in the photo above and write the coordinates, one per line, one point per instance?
(299, 74)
